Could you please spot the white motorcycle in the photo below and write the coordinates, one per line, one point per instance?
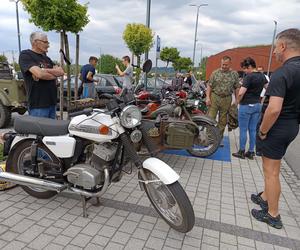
(87, 154)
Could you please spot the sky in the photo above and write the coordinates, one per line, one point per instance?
(223, 24)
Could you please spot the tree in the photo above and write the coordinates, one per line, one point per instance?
(16, 66)
(59, 15)
(169, 55)
(139, 39)
(3, 58)
(182, 63)
(107, 64)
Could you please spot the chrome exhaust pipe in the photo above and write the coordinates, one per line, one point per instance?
(50, 185)
(31, 181)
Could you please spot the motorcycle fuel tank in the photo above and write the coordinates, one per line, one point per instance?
(88, 127)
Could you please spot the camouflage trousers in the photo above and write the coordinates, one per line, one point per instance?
(220, 106)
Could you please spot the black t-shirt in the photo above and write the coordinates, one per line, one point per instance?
(285, 83)
(254, 82)
(42, 93)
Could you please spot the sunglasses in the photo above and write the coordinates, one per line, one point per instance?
(45, 42)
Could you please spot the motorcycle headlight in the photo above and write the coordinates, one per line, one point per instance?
(196, 102)
(130, 116)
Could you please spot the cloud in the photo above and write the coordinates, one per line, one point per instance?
(222, 25)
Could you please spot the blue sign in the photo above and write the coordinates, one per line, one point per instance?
(157, 43)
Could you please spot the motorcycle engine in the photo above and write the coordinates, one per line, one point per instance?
(83, 175)
(90, 174)
(103, 155)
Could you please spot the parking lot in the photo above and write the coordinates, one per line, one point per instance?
(220, 193)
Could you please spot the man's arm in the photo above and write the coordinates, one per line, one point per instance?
(237, 87)
(56, 71)
(271, 114)
(120, 72)
(39, 73)
(240, 94)
(90, 77)
(208, 95)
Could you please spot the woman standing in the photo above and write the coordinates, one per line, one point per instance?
(249, 106)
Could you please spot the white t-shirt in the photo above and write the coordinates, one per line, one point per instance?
(128, 77)
(263, 92)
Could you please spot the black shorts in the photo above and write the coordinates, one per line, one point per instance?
(278, 139)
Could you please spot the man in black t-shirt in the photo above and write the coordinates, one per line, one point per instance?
(280, 123)
(40, 75)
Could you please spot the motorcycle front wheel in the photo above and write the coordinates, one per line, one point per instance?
(171, 202)
(208, 140)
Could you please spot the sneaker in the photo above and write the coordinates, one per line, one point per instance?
(264, 216)
(249, 155)
(256, 198)
(240, 154)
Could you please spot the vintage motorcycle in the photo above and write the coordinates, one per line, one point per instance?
(178, 127)
(87, 154)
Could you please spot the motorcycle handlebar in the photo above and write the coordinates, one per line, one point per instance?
(86, 111)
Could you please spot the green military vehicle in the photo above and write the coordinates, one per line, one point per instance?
(12, 94)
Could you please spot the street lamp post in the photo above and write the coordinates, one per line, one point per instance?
(18, 24)
(196, 28)
(148, 25)
(271, 51)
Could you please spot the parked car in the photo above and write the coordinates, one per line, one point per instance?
(107, 84)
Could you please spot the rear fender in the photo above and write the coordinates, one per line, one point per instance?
(16, 142)
(162, 170)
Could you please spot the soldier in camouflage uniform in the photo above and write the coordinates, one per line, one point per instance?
(222, 83)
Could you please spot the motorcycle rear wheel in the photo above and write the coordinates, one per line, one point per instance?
(210, 143)
(171, 202)
(22, 154)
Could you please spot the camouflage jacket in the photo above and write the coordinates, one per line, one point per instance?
(223, 83)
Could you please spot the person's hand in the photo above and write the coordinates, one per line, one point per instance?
(262, 135)
(208, 102)
(117, 66)
(234, 103)
(35, 78)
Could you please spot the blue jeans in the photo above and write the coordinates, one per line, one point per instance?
(49, 112)
(248, 119)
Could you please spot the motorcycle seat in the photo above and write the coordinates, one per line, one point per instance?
(40, 126)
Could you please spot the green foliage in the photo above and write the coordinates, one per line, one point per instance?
(58, 15)
(138, 37)
(169, 54)
(107, 63)
(72, 68)
(16, 67)
(3, 58)
(182, 63)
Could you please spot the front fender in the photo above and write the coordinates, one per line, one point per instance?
(204, 118)
(162, 170)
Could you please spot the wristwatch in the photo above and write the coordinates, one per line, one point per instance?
(261, 133)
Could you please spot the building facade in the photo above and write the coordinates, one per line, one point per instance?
(259, 53)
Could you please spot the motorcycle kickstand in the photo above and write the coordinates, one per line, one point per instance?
(84, 200)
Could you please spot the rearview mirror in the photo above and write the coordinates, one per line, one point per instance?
(147, 66)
